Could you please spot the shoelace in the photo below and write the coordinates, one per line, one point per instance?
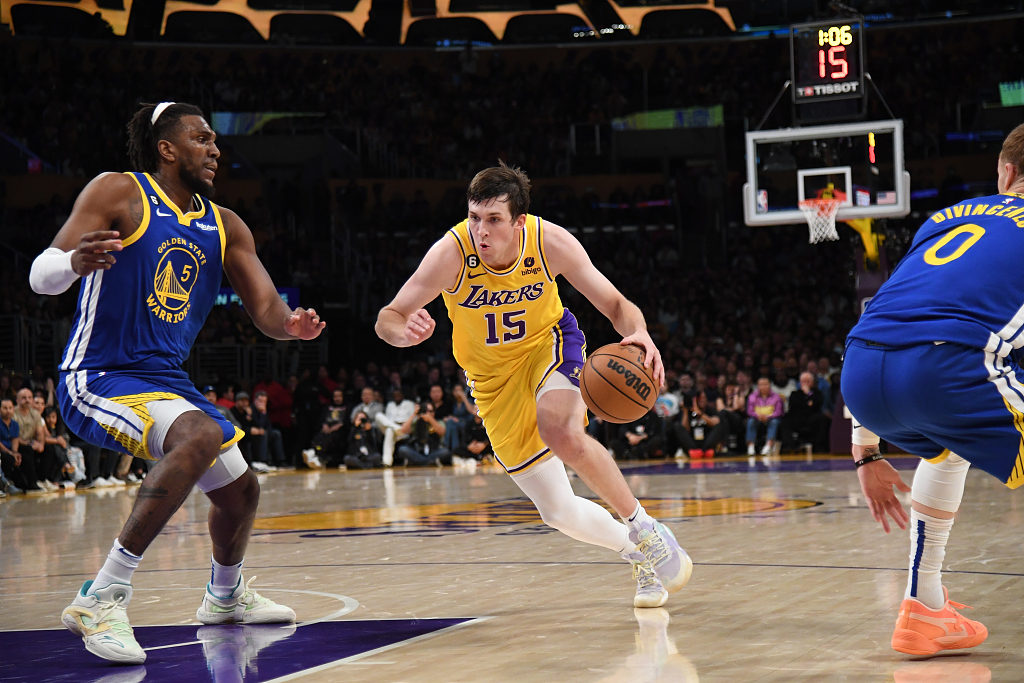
(117, 625)
(954, 606)
(250, 596)
(654, 548)
(644, 575)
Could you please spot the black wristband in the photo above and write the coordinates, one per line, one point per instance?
(871, 458)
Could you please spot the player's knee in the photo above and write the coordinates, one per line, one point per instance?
(194, 436)
(567, 441)
(249, 496)
(556, 517)
(206, 440)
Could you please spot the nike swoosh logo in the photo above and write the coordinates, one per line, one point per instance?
(477, 275)
(161, 214)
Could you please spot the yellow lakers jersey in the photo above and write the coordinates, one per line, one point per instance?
(498, 317)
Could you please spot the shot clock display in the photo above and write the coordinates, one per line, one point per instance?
(827, 60)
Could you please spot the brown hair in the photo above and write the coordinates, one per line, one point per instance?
(1013, 148)
(502, 182)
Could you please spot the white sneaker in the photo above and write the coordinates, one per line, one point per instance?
(649, 591)
(313, 462)
(259, 467)
(243, 606)
(117, 483)
(766, 450)
(750, 449)
(679, 453)
(101, 620)
(45, 485)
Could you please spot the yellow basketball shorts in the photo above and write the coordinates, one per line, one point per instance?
(508, 402)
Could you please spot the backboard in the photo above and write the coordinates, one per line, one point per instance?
(860, 163)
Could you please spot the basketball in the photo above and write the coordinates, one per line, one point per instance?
(615, 384)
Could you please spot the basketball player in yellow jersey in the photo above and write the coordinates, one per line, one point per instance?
(523, 354)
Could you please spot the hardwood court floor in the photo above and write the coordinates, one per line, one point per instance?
(433, 576)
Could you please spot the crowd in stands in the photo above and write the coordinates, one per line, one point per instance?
(700, 416)
(416, 414)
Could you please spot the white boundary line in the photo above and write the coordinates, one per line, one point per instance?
(370, 653)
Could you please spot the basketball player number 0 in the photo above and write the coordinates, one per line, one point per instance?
(516, 328)
(932, 258)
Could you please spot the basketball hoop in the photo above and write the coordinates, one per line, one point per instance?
(821, 218)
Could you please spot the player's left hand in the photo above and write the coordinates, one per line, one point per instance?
(304, 323)
(652, 357)
(876, 482)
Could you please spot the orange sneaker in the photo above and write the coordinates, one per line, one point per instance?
(696, 453)
(709, 453)
(924, 631)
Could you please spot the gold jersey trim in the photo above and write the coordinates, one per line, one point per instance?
(186, 218)
(220, 231)
(137, 235)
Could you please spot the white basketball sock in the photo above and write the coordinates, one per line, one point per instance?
(638, 517)
(548, 487)
(928, 536)
(224, 578)
(119, 567)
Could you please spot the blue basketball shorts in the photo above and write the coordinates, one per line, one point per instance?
(934, 399)
(125, 411)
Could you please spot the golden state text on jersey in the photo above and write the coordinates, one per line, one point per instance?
(157, 295)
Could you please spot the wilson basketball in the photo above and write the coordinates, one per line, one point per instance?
(615, 384)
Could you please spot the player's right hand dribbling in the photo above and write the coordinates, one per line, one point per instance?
(93, 252)
(419, 326)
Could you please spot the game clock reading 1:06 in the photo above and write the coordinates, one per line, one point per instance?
(827, 61)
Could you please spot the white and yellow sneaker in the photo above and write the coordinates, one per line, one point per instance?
(649, 591)
(242, 606)
(100, 618)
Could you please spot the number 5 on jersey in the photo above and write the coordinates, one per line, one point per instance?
(515, 330)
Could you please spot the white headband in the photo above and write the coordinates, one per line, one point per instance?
(159, 109)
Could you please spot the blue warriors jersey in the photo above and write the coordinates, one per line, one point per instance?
(145, 312)
(959, 282)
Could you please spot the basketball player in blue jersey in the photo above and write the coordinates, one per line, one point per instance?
(933, 366)
(151, 247)
(523, 354)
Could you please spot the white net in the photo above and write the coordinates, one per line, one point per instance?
(821, 218)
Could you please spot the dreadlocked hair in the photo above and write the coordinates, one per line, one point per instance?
(143, 135)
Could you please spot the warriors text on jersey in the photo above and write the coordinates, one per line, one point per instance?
(959, 281)
(145, 312)
(136, 323)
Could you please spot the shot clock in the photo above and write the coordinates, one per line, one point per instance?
(827, 60)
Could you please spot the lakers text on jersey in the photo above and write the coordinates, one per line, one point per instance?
(510, 334)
